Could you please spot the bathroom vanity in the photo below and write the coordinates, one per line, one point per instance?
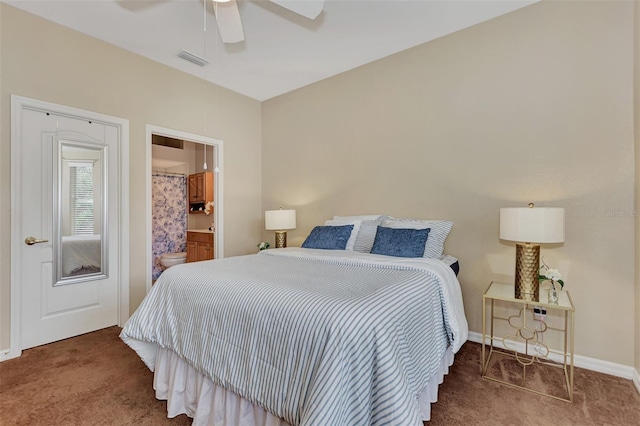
(199, 245)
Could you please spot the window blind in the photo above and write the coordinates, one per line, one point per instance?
(81, 198)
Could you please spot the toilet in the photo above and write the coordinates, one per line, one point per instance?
(170, 259)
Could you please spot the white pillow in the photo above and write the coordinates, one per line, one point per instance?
(435, 241)
(366, 232)
(351, 242)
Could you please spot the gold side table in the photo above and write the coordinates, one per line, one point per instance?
(525, 343)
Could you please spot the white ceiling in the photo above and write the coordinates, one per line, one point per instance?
(282, 51)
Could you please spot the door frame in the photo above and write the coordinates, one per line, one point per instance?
(218, 188)
(18, 104)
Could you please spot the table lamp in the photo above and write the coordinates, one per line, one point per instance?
(279, 221)
(530, 227)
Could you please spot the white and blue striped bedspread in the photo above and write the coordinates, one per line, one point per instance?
(316, 337)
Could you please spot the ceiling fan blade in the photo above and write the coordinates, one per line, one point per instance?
(229, 23)
(307, 8)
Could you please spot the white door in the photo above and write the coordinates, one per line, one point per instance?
(68, 205)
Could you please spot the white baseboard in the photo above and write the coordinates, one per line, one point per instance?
(606, 367)
(5, 354)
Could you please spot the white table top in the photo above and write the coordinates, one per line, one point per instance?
(504, 291)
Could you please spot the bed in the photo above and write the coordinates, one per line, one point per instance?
(301, 336)
(81, 254)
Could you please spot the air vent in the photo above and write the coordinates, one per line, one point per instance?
(194, 59)
(167, 141)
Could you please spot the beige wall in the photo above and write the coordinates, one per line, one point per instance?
(533, 106)
(45, 61)
(637, 195)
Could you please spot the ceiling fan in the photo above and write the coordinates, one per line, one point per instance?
(230, 25)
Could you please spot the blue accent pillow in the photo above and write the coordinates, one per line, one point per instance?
(328, 237)
(400, 242)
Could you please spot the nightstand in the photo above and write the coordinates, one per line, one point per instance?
(522, 345)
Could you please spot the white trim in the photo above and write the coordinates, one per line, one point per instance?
(218, 190)
(16, 223)
(588, 363)
(4, 354)
(636, 379)
(18, 103)
(123, 169)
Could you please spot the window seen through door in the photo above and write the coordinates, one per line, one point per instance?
(81, 198)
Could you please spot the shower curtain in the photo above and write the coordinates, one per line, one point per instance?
(169, 211)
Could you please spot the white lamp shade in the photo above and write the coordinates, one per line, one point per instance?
(279, 220)
(532, 224)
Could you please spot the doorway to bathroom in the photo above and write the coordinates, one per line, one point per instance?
(175, 161)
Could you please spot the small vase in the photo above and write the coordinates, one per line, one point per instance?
(553, 294)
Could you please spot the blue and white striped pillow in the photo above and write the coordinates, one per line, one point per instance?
(435, 242)
(365, 232)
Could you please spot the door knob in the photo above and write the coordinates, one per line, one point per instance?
(32, 240)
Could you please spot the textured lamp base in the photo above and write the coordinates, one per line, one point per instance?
(281, 239)
(527, 268)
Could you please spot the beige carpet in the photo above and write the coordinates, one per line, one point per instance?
(96, 379)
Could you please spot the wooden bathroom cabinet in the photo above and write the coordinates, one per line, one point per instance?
(199, 246)
(200, 191)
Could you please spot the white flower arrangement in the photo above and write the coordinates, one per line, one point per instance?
(208, 207)
(264, 245)
(550, 274)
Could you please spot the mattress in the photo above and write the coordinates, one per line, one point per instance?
(81, 252)
(453, 263)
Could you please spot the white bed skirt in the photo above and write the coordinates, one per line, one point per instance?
(189, 392)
